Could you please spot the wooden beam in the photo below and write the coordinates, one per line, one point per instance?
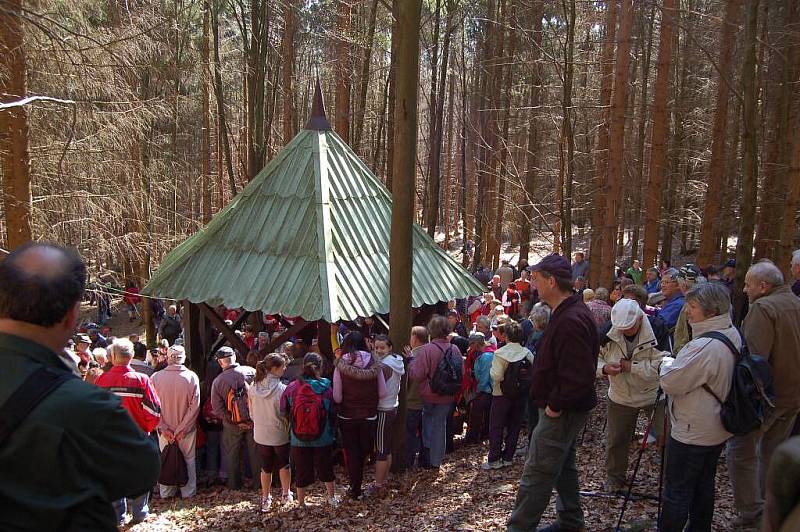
(298, 326)
(192, 340)
(227, 332)
(222, 339)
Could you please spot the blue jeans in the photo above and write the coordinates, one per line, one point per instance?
(137, 506)
(689, 486)
(434, 430)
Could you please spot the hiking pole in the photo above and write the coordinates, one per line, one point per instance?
(663, 456)
(642, 447)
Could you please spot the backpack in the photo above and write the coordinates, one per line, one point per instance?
(308, 413)
(750, 399)
(447, 377)
(517, 378)
(236, 403)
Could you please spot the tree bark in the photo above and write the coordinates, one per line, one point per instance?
(616, 143)
(222, 130)
(709, 224)
(14, 142)
(206, 141)
(658, 150)
(747, 213)
(343, 65)
(289, 31)
(257, 59)
(532, 152)
(601, 161)
(405, 154)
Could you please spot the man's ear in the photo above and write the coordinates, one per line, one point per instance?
(72, 316)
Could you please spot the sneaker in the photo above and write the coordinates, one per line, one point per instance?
(497, 464)
(507, 463)
(287, 498)
(266, 503)
(373, 490)
(334, 501)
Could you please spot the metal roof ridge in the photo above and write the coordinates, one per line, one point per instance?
(327, 264)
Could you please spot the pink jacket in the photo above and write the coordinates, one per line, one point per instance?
(179, 390)
(424, 365)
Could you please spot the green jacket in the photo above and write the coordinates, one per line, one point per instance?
(74, 454)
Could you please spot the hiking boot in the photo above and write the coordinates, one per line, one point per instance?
(497, 464)
(334, 501)
(266, 503)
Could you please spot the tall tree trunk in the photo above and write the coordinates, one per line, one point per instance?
(222, 130)
(451, 201)
(709, 224)
(777, 155)
(658, 150)
(616, 143)
(567, 137)
(206, 141)
(361, 107)
(17, 198)
(636, 215)
(390, 118)
(744, 247)
(343, 65)
(532, 152)
(257, 54)
(400, 249)
(601, 162)
(437, 131)
(289, 31)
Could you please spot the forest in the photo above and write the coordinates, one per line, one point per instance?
(625, 129)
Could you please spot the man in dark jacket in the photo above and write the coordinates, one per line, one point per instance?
(563, 388)
(235, 432)
(78, 449)
(170, 327)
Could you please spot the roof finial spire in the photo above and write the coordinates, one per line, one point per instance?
(318, 121)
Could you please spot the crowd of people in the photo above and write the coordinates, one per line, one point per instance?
(521, 361)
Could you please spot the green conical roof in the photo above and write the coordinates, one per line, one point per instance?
(308, 237)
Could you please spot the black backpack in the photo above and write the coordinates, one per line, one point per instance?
(517, 378)
(752, 391)
(446, 378)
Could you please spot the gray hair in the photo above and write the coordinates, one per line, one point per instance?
(601, 293)
(122, 347)
(540, 316)
(483, 320)
(176, 354)
(766, 271)
(714, 298)
(796, 257)
(672, 272)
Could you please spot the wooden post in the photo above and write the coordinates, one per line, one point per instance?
(192, 340)
(216, 321)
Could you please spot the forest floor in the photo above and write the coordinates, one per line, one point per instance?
(461, 497)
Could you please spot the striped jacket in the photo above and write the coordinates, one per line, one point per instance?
(137, 394)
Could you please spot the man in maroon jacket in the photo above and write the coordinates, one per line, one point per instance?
(562, 387)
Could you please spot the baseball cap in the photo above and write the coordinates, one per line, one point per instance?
(625, 313)
(555, 265)
(224, 352)
(82, 339)
(690, 272)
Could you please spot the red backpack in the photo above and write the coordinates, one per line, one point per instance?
(308, 413)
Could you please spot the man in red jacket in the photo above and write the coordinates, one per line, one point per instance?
(140, 400)
(562, 387)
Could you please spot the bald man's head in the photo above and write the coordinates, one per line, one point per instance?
(40, 283)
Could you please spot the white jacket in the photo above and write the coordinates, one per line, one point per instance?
(694, 412)
(394, 362)
(269, 426)
(638, 388)
(511, 352)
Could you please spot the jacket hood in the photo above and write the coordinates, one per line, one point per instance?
(360, 360)
(267, 387)
(715, 323)
(512, 352)
(395, 362)
(319, 385)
